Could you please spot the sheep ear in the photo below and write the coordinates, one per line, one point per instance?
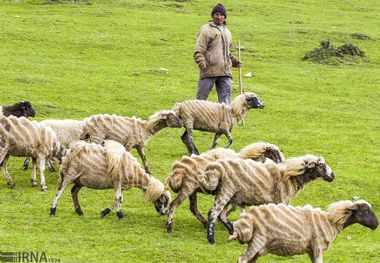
(354, 207)
(162, 198)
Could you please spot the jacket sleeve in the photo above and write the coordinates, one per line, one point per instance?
(201, 46)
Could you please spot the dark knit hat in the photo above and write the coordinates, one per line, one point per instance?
(219, 8)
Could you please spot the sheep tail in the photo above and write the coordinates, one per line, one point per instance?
(209, 179)
(180, 169)
(243, 229)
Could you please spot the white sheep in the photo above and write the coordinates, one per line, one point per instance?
(21, 137)
(130, 132)
(246, 182)
(214, 117)
(286, 230)
(184, 174)
(68, 131)
(108, 167)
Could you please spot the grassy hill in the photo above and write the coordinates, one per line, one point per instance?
(75, 59)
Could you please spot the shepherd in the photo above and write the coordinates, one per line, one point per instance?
(213, 57)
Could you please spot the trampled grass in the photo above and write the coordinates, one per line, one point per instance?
(72, 60)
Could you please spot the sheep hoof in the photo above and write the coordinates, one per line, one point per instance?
(211, 240)
(120, 215)
(79, 211)
(44, 188)
(52, 169)
(105, 212)
(169, 228)
(11, 185)
(52, 212)
(34, 183)
(25, 167)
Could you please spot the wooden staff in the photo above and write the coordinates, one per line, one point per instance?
(240, 78)
(240, 74)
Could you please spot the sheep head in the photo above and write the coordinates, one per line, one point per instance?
(162, 202)
(246, 101)
(172, 120)
(162, 119)
(362, 214)
(316, 167)
(310, 167)
(253, 101)
(27, 109)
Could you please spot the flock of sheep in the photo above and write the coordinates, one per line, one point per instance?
(94, 152)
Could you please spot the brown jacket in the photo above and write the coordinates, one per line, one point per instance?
(214, 48)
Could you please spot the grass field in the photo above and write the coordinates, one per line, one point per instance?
(72, 60)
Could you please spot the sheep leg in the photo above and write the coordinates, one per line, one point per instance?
(316, 257)
(221, 200)
(233, 209)
(229, 137)
(216, 140)
(42, 174)
(26, 163)
(119, 197)
(182, 195)
(254, 259)
(223, 218)
(33, 176)
(50, 166)
(64, 183)
(140, 150)
(252, 252)
(4, 169)
(107, 210)
(74, 194)
(189, 133)
(194, 209)
(186, 142)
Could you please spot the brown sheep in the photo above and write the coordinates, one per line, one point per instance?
(246, 182)
(218, 118)
(286, 230)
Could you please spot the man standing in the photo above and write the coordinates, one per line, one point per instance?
(213, 56)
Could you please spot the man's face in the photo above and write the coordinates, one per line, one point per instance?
(218, 18)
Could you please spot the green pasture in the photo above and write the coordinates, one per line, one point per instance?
(72, 59)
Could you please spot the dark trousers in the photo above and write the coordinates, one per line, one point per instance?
(223, 88)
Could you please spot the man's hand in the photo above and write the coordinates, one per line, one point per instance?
(202, 65)
(239, 64)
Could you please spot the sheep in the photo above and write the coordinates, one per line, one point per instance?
(20, 109)
(286, 230)
(67, 131)
(184, 174)
(131, 132)
(245, 182)
(108, 167)
(21, 137)
(213, 117)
